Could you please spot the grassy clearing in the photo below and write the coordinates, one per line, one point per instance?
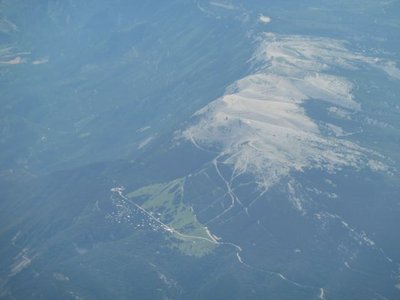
(165, 202)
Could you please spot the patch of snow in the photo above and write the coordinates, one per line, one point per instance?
(144, 143)
(330, 182)
(259, 124)
(60, 277)
(264, 19)
(336, 130)
(224, 5)
(377, 123)
(15, 61)
(296, 201)
(142, 129)
(80, 250)
(21, 262)
(366, 239)
(167, 281)
(40, 61)
(390, 68)
(339, 113)
(377, 166)
(15, 237)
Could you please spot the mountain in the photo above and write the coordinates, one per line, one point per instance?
(199, 149)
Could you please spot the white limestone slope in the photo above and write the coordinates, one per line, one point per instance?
(260, 127)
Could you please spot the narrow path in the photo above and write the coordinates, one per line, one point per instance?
(230, 192)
